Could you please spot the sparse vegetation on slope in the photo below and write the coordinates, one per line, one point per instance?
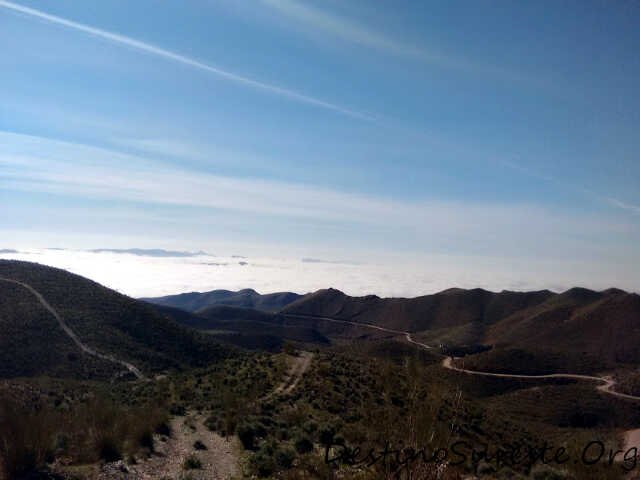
(579, 330)
(103, 319)
(370, 388)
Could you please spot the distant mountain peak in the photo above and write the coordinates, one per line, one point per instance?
(246, 298)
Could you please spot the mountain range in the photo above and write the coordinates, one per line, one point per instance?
(583, 328)
(579, 330)
(528, 332)
(364, 366)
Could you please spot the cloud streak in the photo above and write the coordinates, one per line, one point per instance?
(365, 36)
(149, 252)
(624, 205)
(607, 200)
(190, 62)
(34, 164)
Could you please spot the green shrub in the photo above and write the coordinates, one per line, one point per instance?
(263, 464)
(108, 450)
(284, 457)
(146, 440)
(310, 426)
(192, 463)
(178, 410)
(211, 423)
(543, 472)
(303, 444)
(248, 432)
(163, 428)
(289, 348)
(95, 428)
(326, 434)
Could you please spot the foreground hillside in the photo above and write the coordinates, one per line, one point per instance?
(273, 416)
(33, 342)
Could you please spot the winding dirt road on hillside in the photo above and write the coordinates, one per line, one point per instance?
(299, 365)
(406, 335)
(606, 387)
(219, 459)
(71, 334)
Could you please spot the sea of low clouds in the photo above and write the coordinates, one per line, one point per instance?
(143, 273)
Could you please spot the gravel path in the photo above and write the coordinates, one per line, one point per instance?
(71, 334)
(299, 365)
(219, 460)
(607, 382)
(606, 387)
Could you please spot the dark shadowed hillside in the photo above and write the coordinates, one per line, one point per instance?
(224, 320)
(246, 327)
(247, 298)
(450, 308)
(110, 323)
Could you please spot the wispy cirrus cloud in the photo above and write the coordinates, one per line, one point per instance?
(366, 36)
(157, 51)
(607, 200)
(330, 262)
(39, 164)
(149, 252)
(351, 31)
(624, 205)
(35, 164)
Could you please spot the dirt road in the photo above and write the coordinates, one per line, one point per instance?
(606, 387)
(71, 334)
(299, 365)
(407, 335)
(219, 458)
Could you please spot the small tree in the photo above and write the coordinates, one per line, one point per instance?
(289, 348)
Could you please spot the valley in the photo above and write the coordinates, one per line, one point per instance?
(239, 391)
(319, 240)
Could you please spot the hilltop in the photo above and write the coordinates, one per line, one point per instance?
(579, 328)
(246, 298)
(33, 343)
(354, 384)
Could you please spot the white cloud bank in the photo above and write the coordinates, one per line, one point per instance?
(142, 276)
(439, 244)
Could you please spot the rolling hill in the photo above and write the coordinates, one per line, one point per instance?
(247, 298)
(601, 329)
(447, 309)
(247, 327)
(113, 325)
(580, 328)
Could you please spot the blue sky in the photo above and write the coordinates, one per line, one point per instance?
(476, 130)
